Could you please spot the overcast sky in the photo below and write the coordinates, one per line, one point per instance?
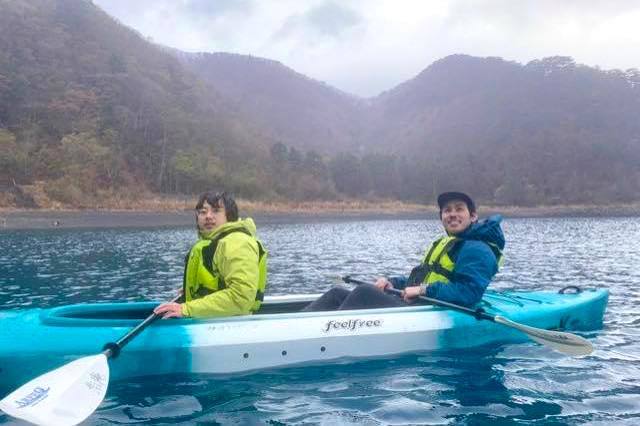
(367, 46)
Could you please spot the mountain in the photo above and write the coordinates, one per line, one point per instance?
(289, 106)
(89, 105)
(91, 111)
(549, 130)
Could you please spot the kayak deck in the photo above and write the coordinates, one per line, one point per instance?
(119, 314)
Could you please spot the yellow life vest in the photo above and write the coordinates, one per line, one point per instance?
(437, 266)
(207, 279)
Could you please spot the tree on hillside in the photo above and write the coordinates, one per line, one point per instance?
(13, 159)
(349, 175)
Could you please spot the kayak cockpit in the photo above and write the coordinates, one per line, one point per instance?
(95, 314)
(127, 313)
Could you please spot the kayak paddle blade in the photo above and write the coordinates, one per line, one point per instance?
(566, 343)
(61, 397)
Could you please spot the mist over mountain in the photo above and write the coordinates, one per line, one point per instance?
(90, 109)
(289, 106)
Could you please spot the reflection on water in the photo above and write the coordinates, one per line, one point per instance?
(513, 384)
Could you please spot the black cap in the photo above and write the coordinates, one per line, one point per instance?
(445, 197)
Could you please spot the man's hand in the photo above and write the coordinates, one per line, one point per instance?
(169, 310)
(409, 294)
(382, 284)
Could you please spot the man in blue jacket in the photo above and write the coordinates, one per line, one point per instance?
(456, 268)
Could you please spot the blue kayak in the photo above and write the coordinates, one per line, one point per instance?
(34, 341)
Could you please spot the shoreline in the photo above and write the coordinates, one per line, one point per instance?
(14, 219)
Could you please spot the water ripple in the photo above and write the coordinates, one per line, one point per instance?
(514, 384)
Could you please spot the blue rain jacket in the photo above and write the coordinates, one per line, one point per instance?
(475, 265)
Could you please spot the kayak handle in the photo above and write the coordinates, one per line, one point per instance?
(570, 287)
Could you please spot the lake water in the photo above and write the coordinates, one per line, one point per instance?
(513, 384)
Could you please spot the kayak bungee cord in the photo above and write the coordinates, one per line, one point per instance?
(567, 343)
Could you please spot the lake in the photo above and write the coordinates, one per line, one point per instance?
(512, 384)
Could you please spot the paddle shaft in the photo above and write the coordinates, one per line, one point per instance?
(561, 341)
(478, 313)
(112, 349)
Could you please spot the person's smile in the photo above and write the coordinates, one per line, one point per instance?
(456, 217)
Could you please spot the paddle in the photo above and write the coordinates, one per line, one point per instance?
(69, 394)
(566, 343)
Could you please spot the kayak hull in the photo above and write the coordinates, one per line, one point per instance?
(34, 341)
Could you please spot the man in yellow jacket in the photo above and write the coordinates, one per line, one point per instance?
(225, 270)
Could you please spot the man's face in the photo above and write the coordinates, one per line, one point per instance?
(210, 218)
(456, 217)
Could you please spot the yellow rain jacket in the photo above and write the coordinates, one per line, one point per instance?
(225, 272)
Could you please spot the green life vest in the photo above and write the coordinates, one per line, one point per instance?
(437, 266)
(207, 277)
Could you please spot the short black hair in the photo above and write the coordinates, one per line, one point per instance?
(445, 197)
(219, 199)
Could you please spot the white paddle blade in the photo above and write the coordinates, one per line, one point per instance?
(566, 343)
(64, 396)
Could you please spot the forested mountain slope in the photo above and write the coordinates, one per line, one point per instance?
(90, 109)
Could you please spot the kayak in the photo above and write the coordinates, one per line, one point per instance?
(34, 341)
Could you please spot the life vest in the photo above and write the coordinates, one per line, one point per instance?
(437, 266)
(208, 279)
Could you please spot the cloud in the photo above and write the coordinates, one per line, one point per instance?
(331, 18)
(327, 22)
(368, 46)
(208, 9)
